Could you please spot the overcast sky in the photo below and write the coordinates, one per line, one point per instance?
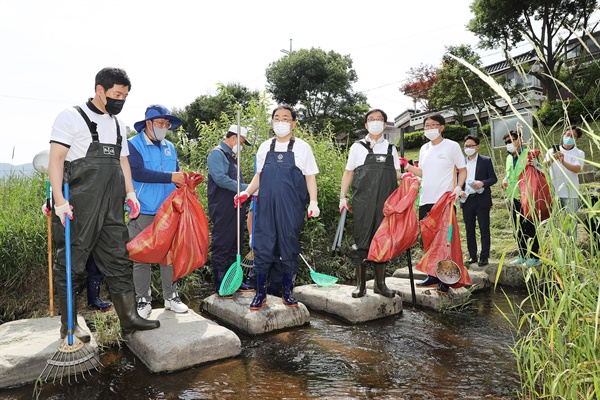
(177, 50)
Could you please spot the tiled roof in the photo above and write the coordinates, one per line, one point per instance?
(519, 59)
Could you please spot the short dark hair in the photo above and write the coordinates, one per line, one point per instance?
(437, 118)
(284, 107)
(473, 138)
(576, 129)
(376, 110)
(515, 135)
(109, 77)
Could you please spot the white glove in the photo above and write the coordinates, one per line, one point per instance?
(47, 213)
(344, 204)
(313, 209)
(457, 191)
(134, 205)
(63, 211)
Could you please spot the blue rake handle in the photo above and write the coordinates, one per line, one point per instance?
(68, 265)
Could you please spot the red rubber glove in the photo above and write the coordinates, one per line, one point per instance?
(239, 200)
(403, 162)
(133, 204)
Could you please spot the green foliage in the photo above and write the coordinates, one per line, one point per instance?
(416, 139)
(208, 108)
(504, 24)
(319, 84)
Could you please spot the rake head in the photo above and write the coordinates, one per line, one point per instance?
(69, 361)
(248, 261)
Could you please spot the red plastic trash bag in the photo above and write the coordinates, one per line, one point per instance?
(399, 229)
(535, 191)
(178, 236)
(434, 232)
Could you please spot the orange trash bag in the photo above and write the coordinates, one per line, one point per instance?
(535, 191)
(178, 236)
(434, 233)
(399, 229)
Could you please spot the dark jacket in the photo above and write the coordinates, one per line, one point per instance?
(484, 172)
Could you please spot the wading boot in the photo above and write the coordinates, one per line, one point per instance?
(286, 291)
(361, 289)
(379, 285)
(126, 308)
(93, 297)
(78, 331)
(260, 298)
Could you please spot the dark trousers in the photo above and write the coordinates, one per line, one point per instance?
(524, 230)
(472, 214)
(424, 210)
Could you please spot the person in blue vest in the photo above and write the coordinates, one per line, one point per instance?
(155, 172)
(222, 186)
(286, 175)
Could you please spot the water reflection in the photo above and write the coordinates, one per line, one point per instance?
(417, 355)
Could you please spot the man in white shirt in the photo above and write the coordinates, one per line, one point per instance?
(565, 163)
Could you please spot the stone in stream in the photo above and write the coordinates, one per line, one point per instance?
(26, 345)
(273, 316)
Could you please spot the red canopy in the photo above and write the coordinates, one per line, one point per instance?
(178, 236)
(399, 229)
(434, 232)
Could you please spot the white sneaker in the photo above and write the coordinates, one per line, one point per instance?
(175, 304)
(144, 308)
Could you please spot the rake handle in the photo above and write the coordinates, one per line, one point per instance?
(68, 271)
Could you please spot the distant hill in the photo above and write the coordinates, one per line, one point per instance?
(9, 169)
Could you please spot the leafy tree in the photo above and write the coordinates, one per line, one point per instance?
(501, 23)
(456, 87)
(208, 108)
(419, 84)
(319, 85)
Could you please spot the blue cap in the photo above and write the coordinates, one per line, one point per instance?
(157, 111)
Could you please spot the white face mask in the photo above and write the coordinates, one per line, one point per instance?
(469, 151)
(375, 127)
(432, 134)
(511, 148)
(159, 133)
(236, 149)
(281, 128)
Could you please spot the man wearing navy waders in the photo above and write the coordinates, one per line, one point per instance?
(222, 186)
(86, 151)
(286, 175)
(372, 168)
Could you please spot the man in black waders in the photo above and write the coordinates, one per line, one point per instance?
(222, 186)
(286, 174)
(86, 151)
(372, 169)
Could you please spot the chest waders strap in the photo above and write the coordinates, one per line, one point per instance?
(290, 144)
(92, 126)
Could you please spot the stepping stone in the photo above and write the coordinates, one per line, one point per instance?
(426, 297)
(26, 345)
(273, 316)
(337, 300)
(182, 341)
(480, 278)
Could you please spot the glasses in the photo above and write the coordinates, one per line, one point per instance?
(431, 126)
(509, 141)
(162, 124)
(283, 120)
(374, 119)
(470, 146)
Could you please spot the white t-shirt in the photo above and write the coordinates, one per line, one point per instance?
(471, 167)
(70, 129)
(437, 163)
(564, 181)
(303, 155)
(358, 154)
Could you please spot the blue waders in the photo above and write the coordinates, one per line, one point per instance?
(281, 208)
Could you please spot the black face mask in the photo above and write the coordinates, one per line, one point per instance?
(114, 106)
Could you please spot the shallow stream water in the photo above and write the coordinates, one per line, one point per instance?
(419, 354)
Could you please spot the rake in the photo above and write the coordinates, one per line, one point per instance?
(72, 357)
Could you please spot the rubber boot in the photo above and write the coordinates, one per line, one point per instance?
(361, 289)
(260, 298)
(379, 285)
(93, 297)
(286, 291)
(219, 275)
(126, 308)
(78, 331)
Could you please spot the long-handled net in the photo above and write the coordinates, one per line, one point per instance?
(319, 278)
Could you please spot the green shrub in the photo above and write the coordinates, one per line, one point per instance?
(416, 139)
